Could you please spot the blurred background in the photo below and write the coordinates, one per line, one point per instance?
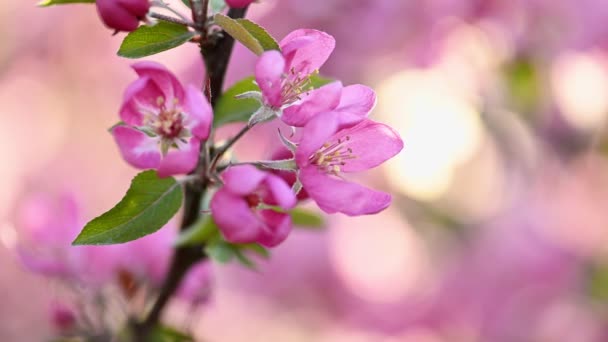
(499, 226)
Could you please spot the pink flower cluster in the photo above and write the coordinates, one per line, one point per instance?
(164, 125)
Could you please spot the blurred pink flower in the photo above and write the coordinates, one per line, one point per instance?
(165, 123)
(196, 287)
(327, 150)
(63, 317)
(234, 206)
(122, 15)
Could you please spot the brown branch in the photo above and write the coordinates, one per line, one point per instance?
(216, 55)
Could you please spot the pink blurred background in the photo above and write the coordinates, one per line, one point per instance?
(498, 229)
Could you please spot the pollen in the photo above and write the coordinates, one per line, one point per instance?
(332, 156)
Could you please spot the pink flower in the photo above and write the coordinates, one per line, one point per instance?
(196, 287)
(63, 317)
(283, 76)
(327, 150)
(165, 123)
(238, 3)
(288, 176)
(235, 206)
(122, 15)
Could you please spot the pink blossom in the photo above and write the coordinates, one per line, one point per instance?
(63, 317)
(288, 176)
(327, 150)
(165, 123)
(238, 3)
(235, 206)
(284, 77)
(122, 15)
(196, 287)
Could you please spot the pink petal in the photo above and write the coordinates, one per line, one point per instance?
(199, 112)
(268, 72)
(317, 132)
(243, 179)
(180, 161)
(372, 143)
(116, 16)
(278, 226)
(141, 95)
(138, 149)
(306, 50)
(279, 192)
(164, 79)
(234, 218)
(335, 195)
(357, 99)
(138, 8)
(320, 100)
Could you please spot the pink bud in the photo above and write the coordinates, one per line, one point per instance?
(122, 15)
(238, 3)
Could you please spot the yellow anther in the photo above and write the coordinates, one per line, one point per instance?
(160, 100)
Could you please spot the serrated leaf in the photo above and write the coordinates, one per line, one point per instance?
(148, 205)
(46, 3)
(306, 219)
(228, 109)
(258, 32)
(150, 40)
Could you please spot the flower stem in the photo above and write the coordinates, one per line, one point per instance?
(171, 19)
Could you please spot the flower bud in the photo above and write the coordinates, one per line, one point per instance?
(122, 15)
(238, 3)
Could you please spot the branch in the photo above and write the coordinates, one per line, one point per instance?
(216, 55)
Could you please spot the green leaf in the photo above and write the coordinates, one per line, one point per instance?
(223, 251)
(46, 3)
(220, 250)
(258, 32)
(150, 40)
(169, 334)
(202, 231)
(148, 205)
(250, 34)
(187, 3)
(306, 219)
(228, 109)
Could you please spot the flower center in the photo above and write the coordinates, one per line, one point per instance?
(294, 84)
(333, 155)
(253, 200)
(168, 124)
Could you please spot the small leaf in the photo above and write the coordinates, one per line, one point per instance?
(238, 32)
(46, 3)
(258, 32)
(229, 109)
(306, 219)
(148, 205)
(187, 3)
(220, 250)
(150, 40)
(203, 230)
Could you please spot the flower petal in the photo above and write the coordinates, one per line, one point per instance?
(164, 79)
(306, 50)
(140, 96)
(199, 112)
(268, 75)
(180, 161)
(234, 218)
(277, 228)
(279, 193)
(357, 99)
(320, 100)
(138, 149)
(335, 195)
(115, 16)
(243, 179)
(372, 143)
(316, 132)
